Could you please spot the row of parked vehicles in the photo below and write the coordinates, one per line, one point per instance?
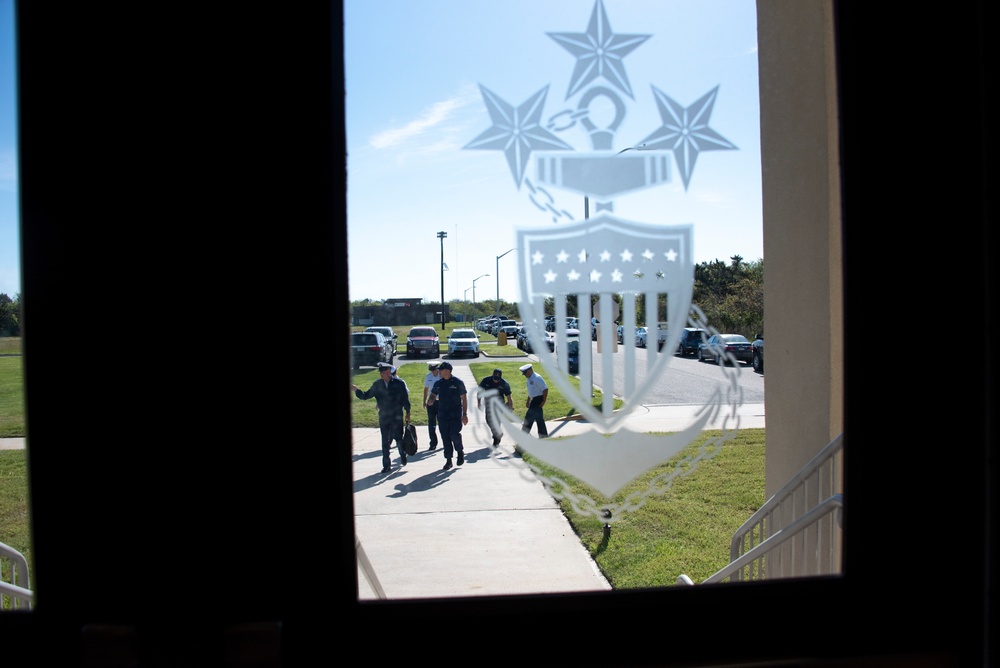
(706, 347)
(378, 344)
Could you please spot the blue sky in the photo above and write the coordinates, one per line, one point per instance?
(10, 255)
(416, 77)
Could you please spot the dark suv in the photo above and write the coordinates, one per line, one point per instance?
(388, 333)
(370, 348)
(690, 338)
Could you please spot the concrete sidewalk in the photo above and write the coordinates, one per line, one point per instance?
(481, 529)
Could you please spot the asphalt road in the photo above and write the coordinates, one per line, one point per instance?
(686, 381)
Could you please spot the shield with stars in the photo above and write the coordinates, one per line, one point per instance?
(607, 259)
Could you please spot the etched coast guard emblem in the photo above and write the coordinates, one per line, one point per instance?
(607, 258)
(617, 269)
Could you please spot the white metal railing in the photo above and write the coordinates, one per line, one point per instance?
(797, 532)
(15, 584)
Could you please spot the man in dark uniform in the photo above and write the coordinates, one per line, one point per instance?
(494, 384)
(393, 400)
(450, 395)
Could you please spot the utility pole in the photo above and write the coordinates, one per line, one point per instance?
(497, 310)
(442, 236)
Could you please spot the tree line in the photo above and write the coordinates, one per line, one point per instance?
(10, 315)
(730, 295)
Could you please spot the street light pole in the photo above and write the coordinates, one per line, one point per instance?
(474, 290)
(442, 236)
(498, 277)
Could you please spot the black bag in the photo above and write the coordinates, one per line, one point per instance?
(409, 439)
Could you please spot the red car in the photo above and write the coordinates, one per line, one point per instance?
(423, 341)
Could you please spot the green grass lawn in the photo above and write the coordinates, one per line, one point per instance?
(686, 529)
(11, 388)
(15, 524)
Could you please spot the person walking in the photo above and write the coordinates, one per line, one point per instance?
(393, 400)
(453, 412)
(538, 393)
(433, 374)
(494, 383)
(395, 374)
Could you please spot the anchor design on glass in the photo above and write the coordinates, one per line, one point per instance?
(606, 256)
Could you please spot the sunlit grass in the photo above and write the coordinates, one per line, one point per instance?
(686, 529)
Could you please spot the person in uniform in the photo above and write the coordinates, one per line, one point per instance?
(494, 383)
(393, 401)
(538, 393)
(432, 411)
(395, 374)
(453, 408)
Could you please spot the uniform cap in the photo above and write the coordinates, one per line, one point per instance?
(525, 368)
(433, 365)
(382, 366)
(445, 365)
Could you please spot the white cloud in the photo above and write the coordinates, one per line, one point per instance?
(434, 117)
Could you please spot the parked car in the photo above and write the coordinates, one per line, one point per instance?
(423, 341)
(573, 350)
(621, 333)
(640, 337)
(370, 348)
(691, 338)
(571, 323)
(719, 346)
(524, 343)
(463, 341)
(757, 358)
(388, 333)
(510, 330)
(522, 338)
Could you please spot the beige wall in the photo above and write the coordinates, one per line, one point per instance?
(803, 315)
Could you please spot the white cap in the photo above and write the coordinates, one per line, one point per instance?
(525, 368)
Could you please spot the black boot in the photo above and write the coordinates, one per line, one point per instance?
(447, 464)
(461, 457)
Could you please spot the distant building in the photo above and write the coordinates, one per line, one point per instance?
(399, 311)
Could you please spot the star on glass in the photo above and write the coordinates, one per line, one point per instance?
(595, 276)
(550, 276)
(573, 275)
(626, 255)
(517, 132)
(616, 276)
(562, 256)
(671, 255)
(537, 257)
(599, 52)
(648, 254)
(605, 256)
(686, 131)
(582, 256)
